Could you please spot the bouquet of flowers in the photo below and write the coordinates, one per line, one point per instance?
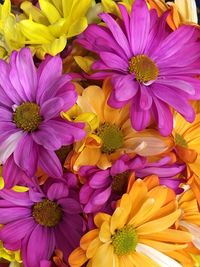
(99, 133)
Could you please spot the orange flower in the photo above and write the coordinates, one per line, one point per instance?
(138, 233)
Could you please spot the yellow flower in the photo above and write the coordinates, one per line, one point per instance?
(48, 28)
(138, 233)
(182, 11)
(11, 37)
(187, 145)
(110, 133)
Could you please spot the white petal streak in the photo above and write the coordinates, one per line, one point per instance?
(157, 256)
(9, 145)
(194, 230)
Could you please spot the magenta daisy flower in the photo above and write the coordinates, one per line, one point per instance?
(149, 65)
(31, 129)
(102, 187)
(40, 221)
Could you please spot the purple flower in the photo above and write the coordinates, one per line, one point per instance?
(31, 129)
(102, 187)
(40, 221)
(166, 171)
(149, 65)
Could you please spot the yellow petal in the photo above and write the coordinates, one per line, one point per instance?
(77, 258)
(49, 11)
(77, 27)
(159, 224)
(31, 10)
(103, 256)
(105, 234)
(85, 63)
(100, 218)
(161, 246)
(87, 238)
(188, 10)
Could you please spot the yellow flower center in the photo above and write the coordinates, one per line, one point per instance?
(179, 140)
(47, 213)
(111, 136)
(144, 68)
(120, 183)
(124, 240)
(27, 116)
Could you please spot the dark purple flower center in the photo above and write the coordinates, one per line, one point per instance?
(27, 116)
(120, 183)
(47, 213)
(111, 136)
(144, 68)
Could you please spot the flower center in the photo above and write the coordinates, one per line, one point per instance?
(47, 213)
(144, 68)
(179, 140)
(27, 116)
(120, 183)
(111, 136)
(124, 240)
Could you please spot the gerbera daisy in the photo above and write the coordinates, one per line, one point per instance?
(31, 128)
(137, 234)
(110, 134)
(151, 67)
(102, 187)
(39, 221)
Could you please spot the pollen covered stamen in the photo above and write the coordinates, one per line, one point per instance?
(120, 183)
(111, 136)
(47, 213)
(27, 116)
(144, 68)
(124, 240)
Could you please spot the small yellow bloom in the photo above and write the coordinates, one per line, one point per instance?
(182, 11)
(11, 256)
(109, 132)
(48, 28)
(138, 233)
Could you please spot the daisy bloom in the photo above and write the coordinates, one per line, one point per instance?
(138, 233)
(110, 133)
(50, 216)
(182, 11)
(49, 26)
(30, 124)
(151, 67)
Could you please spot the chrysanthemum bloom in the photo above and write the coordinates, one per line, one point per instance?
(31, 128)
(39, 221)
(137, 234)
(110, 133)
(101, 187)
(151, 67)
(182, 11)
(48, 27)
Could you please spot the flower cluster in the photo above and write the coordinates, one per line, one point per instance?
(99, 133)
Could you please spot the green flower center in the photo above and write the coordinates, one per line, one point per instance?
(47, 213)
(27, 116)
(179, 140)
(125, 240)
(120, 183)
(144, 68)
(111, 136)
